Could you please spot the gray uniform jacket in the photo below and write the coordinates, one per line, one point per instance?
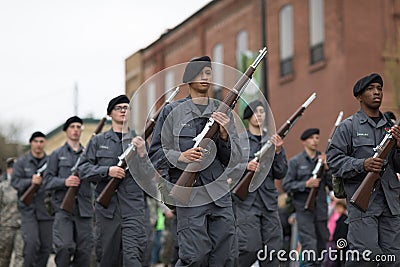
(267, 191)
(24, 168)
(102, 152)
(175, 134)
(58, 170)
(351, 144)
(300, 170)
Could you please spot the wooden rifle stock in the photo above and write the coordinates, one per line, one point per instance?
(68, 202)
(69, 199)
(105, 196)
(361, 197)
(310, 202)
(317, 172)
(188, 177)
(242, 189)
(319, 168)
(28, 195)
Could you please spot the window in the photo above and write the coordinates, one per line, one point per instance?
(241, 48)
(218, 70)
(135, 112)
(168, 83)
(316, 30)
(151, 98)
(286, 40)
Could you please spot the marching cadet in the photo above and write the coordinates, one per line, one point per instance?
(312, 224)
(350, 156)
(36, 222)
(10, 222)
(206, 232)
(72, 233)
(257, 216)
(121, 226)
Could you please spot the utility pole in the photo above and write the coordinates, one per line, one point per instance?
(76, 99)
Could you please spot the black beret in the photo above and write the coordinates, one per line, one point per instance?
(362, 83)
(250, 108)
(72, 120)
(115, 101)
(10, 162)
(309, 132)
(36, 134)
(194, 67)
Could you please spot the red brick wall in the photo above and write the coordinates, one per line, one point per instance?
(356, 32)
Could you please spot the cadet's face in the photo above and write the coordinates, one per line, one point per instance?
(37, 145)
(258, 117)
(202, 80)
(371, 97)
(312, 142)
(118, 113)
(74, 131)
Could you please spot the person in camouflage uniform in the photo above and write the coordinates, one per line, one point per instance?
(10, 223)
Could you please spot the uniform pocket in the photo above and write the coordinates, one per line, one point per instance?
(362, 141)
(106, 157)
(182, 224)
(249, 233)
(184, 137)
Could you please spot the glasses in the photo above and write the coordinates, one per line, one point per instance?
(121, 108)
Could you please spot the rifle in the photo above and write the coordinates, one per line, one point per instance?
(361, 197)
(105, 196)
(69, 198)
(188, 176)
(242, 189)
(319, 168)
(152, 121)
(27, 197)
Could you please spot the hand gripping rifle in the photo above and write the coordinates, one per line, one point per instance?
(27, 197)
(105, 196)
(319, 168)
(361, 197)
(69, 198)
(242, 189)
(188, 176)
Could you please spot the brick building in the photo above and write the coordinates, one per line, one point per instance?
(320, 46)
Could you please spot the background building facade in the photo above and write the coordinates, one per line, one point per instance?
(313, 46)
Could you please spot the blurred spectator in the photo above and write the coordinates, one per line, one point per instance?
(10, 221)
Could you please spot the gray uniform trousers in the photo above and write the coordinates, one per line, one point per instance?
(257, 227)
(37, 236)
(377, 230)
(72, 235)
(313, 235)
(206, 236)
(132, 232)
(174, 234)
(146, 261)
